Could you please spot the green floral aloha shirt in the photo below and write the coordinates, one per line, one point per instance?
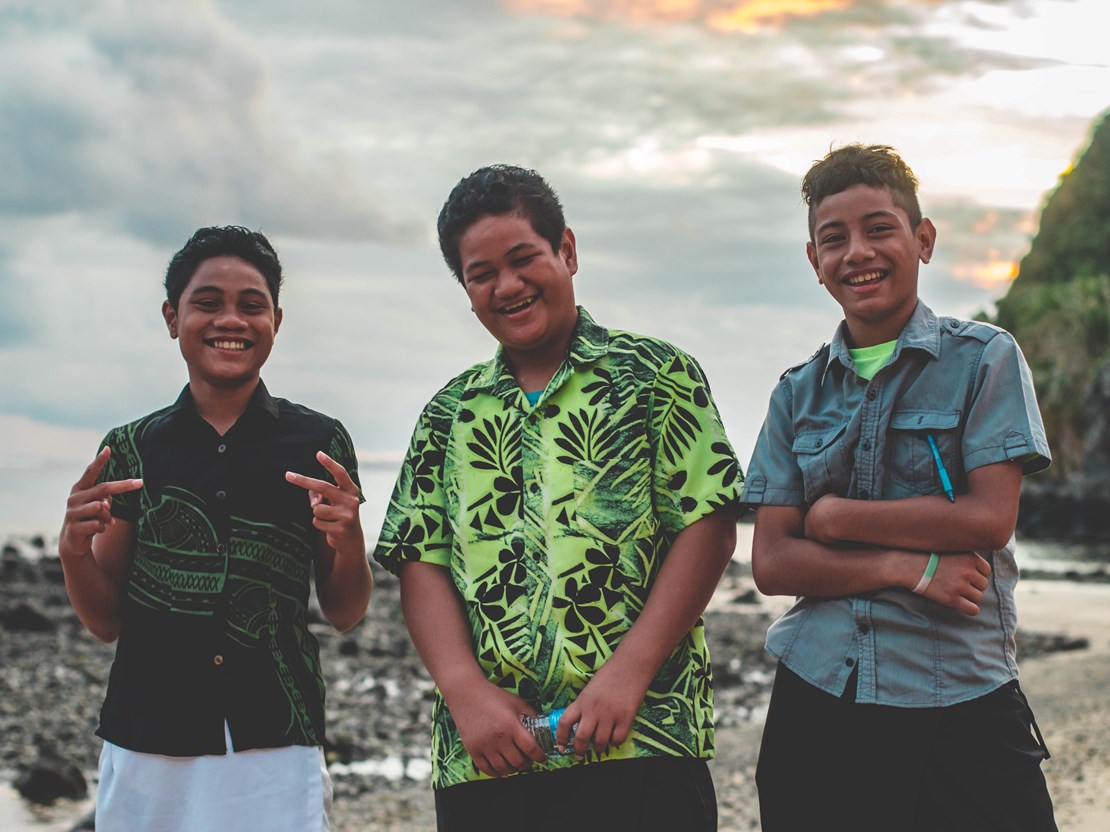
(554, 521)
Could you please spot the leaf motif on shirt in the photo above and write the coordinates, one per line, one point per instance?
(585, 436)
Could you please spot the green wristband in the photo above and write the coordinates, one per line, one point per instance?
(927, 578)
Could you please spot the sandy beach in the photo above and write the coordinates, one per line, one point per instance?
(52, 675)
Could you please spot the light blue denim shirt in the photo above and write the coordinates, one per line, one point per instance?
(829, 431)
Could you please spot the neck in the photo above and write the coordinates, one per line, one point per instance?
(534, 373)
(870, 333)
(221, 407)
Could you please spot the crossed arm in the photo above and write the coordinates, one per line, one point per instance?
(488, 717)
(844, 547)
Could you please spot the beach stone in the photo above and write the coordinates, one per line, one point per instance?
(25, 618)
(50, 778)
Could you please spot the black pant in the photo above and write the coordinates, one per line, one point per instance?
(830, 763)
(659, 794)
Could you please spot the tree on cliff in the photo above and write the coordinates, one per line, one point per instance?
(1059, 309)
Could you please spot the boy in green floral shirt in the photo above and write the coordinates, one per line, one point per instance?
(562, 518)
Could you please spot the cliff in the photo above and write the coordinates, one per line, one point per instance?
(1058, 308)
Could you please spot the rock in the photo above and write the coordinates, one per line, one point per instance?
(50, 778)
(25, 618)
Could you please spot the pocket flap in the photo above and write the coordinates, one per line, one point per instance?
(925, 419)
(815, 441)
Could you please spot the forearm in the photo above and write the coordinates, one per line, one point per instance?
(94, 595)
(682, 590)
(439, 629)
(804, 567)
(980, 520)
(344, 593)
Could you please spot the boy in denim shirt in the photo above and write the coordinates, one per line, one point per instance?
(887, 477)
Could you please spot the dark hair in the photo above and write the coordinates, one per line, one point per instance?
(222, 241)
(498, 189)
(875, 165)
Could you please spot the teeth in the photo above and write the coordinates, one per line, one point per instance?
(229, 345)
(522, 305)
(855, 280)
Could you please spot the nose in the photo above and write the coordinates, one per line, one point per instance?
(229, 318)
(860, 249)
(509, 283)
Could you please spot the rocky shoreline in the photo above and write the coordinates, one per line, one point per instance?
(52, 677)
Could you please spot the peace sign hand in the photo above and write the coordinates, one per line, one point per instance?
(89, 508)
(334, 507)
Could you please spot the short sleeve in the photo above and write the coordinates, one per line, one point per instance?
(415, 526)
(774, 477)
(695, 470)
(1003, 421)
(122, 464)
(341, 448)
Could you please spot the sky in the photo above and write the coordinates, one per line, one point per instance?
(675, 131)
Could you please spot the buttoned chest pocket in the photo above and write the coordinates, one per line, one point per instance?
(821, 459)
(913, 464)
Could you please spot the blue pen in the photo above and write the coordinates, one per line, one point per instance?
(947, 483)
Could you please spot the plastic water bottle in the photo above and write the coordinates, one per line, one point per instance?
(543, 728)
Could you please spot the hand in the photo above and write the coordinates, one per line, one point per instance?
(334, 507)
(818, 519)
(604, 710)
(89, 508)
(488, 720)
(959, 582)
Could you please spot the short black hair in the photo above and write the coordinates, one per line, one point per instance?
(498, 189)
(223, 241)
(875, 165)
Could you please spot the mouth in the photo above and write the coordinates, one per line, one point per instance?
(229, 344)
(865, 278)
(520, 306)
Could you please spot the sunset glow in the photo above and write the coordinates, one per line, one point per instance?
(748, 16)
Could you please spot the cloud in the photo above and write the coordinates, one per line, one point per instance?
(157, 118)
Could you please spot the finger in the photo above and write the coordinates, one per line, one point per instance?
(93, 469)
(982, 565)
(107, 489)
(329, 491)
(531, 748)
(333, 513)
(342, 476)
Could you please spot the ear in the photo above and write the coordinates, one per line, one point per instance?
(811, 255)
(170, 315)
(568, 250)
(926, 238)
(277, 319)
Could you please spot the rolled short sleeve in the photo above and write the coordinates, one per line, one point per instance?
(123, 464)
(695, 470)
(774, 477)
(415, 526)
(1003, 421)
(341, 448)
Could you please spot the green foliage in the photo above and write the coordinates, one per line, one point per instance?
(1059, 306)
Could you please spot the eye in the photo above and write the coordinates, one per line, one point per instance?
(832, 239)
(525, 260)
(882, 228)
(478, 277)
(207, 304)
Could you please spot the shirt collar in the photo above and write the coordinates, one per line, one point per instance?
(588, 343)
(260, 401)
(922, 332)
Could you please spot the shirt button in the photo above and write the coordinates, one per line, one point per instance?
(863, 628)
(534, 487)
(866, 444)
(819, 443)
(221, 448)
(221, 494)
(871, 395)
(849, 662)
(864, 494)
(217, 660)
(221, 549)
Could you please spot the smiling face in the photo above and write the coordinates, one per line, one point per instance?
(867, 254)
(521, 290)
(225, 321)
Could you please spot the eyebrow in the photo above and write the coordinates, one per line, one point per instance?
(219, 290)
(870, 216)
(474, 264)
